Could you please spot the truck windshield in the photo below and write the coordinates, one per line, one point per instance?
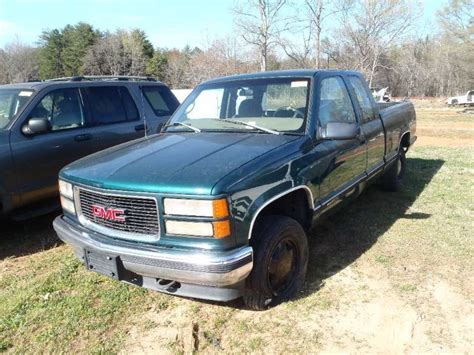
(275, 105)
(11, 102)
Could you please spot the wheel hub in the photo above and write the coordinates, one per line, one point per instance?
(282, 266)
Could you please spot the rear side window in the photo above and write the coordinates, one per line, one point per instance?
(335, 103)
(62, 108)
(161, 100)
(111, 104)
(130, 108)
(363, 99)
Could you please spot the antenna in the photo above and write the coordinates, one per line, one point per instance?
(143, 110)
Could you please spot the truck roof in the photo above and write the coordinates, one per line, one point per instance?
(300, 73)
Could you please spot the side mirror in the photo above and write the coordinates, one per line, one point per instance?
(340, 131)
(36, 125)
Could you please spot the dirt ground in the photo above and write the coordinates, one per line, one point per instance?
(389, 274)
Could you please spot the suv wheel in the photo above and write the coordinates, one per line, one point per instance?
(280, 262)
(391, 180)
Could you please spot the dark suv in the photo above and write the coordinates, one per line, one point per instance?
(46, 125)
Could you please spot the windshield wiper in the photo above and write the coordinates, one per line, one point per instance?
(243, 123)
(174, 124)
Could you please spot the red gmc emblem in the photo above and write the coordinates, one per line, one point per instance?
(111, 214)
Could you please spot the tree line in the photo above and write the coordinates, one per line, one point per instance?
(376, 37)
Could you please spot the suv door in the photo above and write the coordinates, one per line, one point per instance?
(113, 114)
(371, 125)
(347, 159)
(38, 158)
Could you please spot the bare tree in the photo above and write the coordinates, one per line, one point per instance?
(18, 62)
(177, 68)
(457, 21)
(371, 26)
(318, 12)
(119, 53)
(261, 23)
(221, 58)
(297, 43)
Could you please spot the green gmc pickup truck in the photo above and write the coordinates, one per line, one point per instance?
(219, 204)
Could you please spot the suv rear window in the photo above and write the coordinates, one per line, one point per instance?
(161, 100)
(111, 104)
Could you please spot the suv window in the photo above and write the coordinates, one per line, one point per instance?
(363, 99)
(335, 104)
(62, 108)
(111, 104)
(11, 102)
(161, 100)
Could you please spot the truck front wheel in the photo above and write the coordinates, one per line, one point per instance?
(280, 262)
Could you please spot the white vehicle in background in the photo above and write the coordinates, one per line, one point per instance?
(467, 99)
(381, 95)
(181, 94)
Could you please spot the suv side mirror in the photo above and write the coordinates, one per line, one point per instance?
(36, 125)
(340, 131)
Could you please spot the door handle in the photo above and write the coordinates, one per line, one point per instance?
(140, 127)
(83, 137)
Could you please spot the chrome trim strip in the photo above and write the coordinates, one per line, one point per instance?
(309, 195)
(375, 168)
(358, 180)
(115, 232)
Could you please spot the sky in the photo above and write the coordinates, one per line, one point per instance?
(168, 23)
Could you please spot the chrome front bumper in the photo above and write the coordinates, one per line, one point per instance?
(200, 268)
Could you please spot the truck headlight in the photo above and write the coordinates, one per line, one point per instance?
(68, 205)
(218, 229)
(65, 189)
(201, 229)
(215, 209)
(67, 196)
(196, 208)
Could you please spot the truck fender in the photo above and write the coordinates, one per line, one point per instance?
(257, 208)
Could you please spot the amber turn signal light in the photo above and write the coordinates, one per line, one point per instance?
(220, 208)
(221, 229)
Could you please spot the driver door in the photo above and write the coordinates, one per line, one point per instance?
(345, 161)
(38, 158)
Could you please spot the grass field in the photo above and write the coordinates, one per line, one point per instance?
(391, 273)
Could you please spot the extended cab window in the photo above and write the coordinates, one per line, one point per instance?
(62, 108)
(111, 104)
(161, 100)
(363, 98)
(335, 103)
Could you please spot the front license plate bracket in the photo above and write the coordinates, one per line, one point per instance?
(102, 263)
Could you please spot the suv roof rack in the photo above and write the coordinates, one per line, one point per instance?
(104, 77)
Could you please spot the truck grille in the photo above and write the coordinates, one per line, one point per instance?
(138, 215)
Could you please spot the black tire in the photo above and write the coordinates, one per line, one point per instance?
(280, 244)
(454, 102)
(392, 179)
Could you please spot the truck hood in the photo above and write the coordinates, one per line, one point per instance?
(181, 163)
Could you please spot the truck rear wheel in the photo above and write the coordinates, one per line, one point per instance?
(391, 180)
(280, 262)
